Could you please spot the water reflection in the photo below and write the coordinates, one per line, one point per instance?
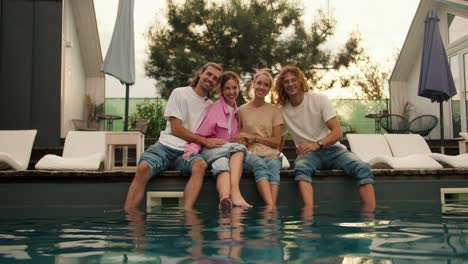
(259, 235)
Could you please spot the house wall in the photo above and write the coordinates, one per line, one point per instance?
(74, 80)
(30, 71)
(95, 86)
(404, 82)
(422, 105)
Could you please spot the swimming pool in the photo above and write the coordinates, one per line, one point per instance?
(398, 232)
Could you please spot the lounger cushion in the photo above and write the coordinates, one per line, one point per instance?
(83, 150)
(374, 149)
(54, 162)
(411, 144)
(459, 161)
(405, 163)
(369, 146)
(403, 145)
(464, 135)
(15, 148)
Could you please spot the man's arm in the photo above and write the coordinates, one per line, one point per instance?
(334, 136)
(179, 131)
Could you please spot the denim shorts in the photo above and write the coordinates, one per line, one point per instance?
(161, 157)
(264, 168)
(218, 158)
(333, 157)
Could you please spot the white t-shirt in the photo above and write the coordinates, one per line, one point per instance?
(231, 115)
(187, 106)
(307, 121)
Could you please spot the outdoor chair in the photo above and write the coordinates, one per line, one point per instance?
(347, 128)
(413, 144)
(423, 125)
(375, 150)
(463, 143)
(140, 125)
(83, 150)
(395, 124)
(15, 148)
(82, 125)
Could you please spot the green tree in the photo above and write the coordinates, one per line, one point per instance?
(242, 36)
(372, 80)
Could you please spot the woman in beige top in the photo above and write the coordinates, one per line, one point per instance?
(260, 128)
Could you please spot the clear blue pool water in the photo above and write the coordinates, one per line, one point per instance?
(412, 232)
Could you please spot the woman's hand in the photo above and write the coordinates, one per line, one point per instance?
(249, 138)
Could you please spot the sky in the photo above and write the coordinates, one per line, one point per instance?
(383, 26)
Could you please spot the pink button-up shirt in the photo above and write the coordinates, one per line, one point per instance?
(215, 124)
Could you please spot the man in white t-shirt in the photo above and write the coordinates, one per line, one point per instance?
(184, 112)
(316, 131)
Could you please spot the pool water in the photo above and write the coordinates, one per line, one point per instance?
(412, 232)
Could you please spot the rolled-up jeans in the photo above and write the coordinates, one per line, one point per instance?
(264, 168)
(333, 157)
(218, 158)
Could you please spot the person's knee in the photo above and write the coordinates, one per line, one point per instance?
(305, 164)
(363, 173)
(143, 173)
(303, 170)
(239, 154)
(199, 165)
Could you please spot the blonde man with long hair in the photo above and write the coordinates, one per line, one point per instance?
(316, 131)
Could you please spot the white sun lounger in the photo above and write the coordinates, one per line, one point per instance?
(15, 148)
(464, 135)
(374, 149)
(83, 150)
(410, 144)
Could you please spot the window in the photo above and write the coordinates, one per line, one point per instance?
(457, 27)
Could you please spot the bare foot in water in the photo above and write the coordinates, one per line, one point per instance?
(225, 204)
(238, 200)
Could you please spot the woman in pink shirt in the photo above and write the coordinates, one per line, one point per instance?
(222, 121)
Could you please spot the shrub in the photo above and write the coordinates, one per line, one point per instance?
(154, 112)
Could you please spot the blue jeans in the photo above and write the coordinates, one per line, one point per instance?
(264, 168)
(161, 157)
(333, 157)
(218, 158)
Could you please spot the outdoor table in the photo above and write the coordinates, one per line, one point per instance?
(125, 139)
(109, 120)
(376, 118)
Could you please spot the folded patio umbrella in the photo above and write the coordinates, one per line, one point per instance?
(435, 79)
(120, 57)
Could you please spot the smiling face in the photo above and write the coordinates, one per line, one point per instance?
(291, 84)
(230, 91)
(209, 79)
(261, 86)
(230, 87)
